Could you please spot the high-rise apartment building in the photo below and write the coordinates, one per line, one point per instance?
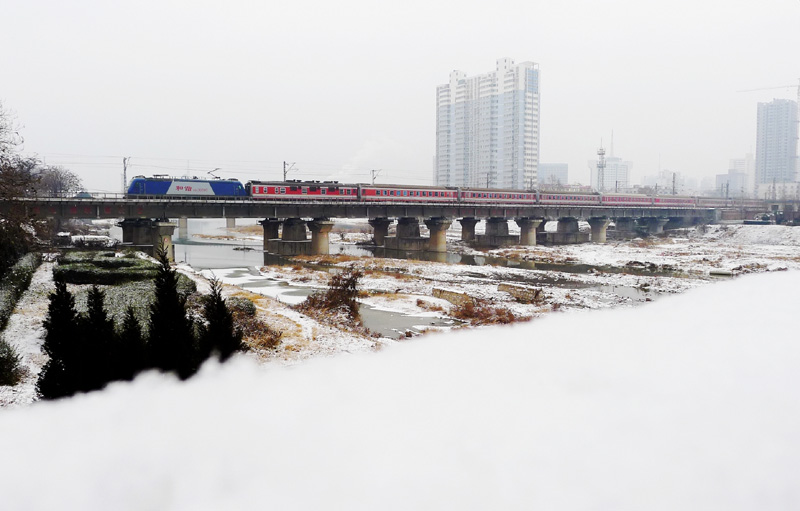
(776, 142)
(487, 128)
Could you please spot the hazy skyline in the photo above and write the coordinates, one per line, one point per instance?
(341, 88)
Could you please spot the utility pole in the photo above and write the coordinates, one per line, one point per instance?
(375, 173)
(125, 173)
(286, 170)
(673, 183)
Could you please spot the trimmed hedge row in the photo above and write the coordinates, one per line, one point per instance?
(102, 268)
(88, 273)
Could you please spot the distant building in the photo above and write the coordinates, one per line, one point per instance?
(747, 166)
(616, 175)
(776, 142)
(667, 182)
(553, 175)
(732, 184)
(487, 128)
(778, 191)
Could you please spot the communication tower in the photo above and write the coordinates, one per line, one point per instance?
(601, 168)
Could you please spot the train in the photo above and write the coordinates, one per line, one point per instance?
(160, 186)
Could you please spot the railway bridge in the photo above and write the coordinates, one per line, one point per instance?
(286, 222)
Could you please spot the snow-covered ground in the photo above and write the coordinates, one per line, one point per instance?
(742, 248)
(406, 287)
(589, 410)
(623, 273)
(25, 333)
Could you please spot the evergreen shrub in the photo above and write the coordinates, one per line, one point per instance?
(10, 364)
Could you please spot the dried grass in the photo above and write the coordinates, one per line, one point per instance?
(480, 312)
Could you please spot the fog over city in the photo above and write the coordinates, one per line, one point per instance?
(340, 88)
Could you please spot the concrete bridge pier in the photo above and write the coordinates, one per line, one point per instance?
(567, 225)
(293, 240)
(496, 227)
(527, 230)
(162, 232)
(271, 229)
(599, 226)
(183, 228)
(380, 229)
(655, 225)
(468, 228)
(497, 234)
(408, 227)
(147, 234)
(675, 222)
(320, 229)
(625, 226)
(230, 222)
(407, 236)
(567, 232)
(294, 229)
(438, 229)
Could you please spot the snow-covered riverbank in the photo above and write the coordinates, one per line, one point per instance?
(683, 403)
(407, 287)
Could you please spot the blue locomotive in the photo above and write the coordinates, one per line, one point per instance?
(160, 185)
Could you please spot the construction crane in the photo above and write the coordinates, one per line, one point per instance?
(778, 87)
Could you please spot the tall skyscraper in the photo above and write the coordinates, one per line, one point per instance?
(487, 128)
(776, 142)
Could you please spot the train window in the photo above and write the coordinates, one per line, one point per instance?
(435, 194)
(293, 188)
(314, 188)
(283, 189)
(304, 189)
(331, 188)
(323, 191)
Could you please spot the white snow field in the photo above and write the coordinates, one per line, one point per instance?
(688, 402)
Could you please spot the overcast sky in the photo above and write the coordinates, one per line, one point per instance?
(347, 86)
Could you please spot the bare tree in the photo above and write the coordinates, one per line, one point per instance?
(56, 181)
(10, 138)
(16, 180)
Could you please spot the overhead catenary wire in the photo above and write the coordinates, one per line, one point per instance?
(246, 167)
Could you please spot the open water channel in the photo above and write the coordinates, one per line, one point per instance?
(237, 261)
